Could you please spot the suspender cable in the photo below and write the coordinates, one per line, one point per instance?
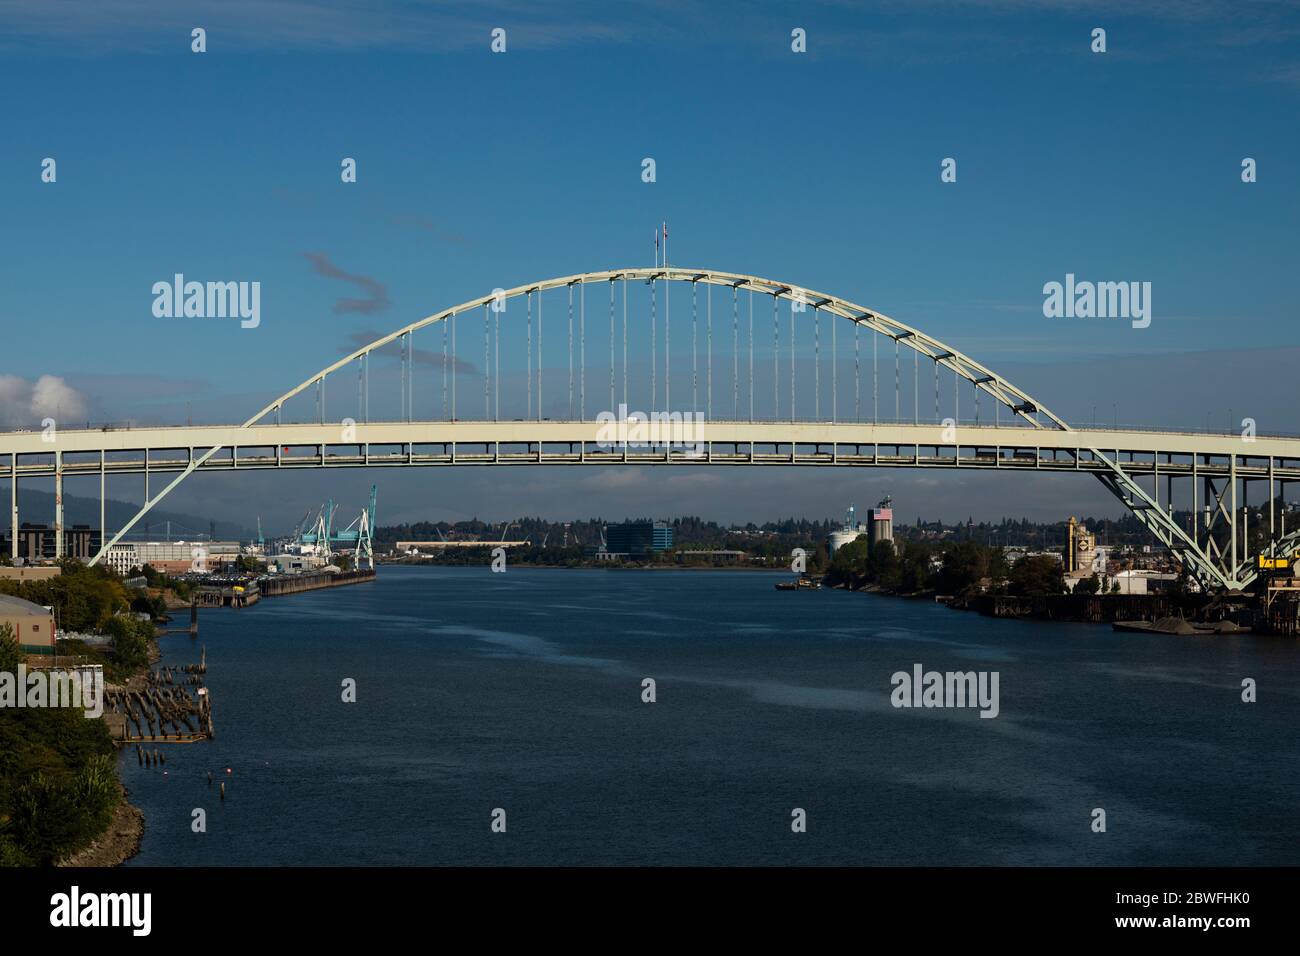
(487, 363)
(582, 352)
(956, 396)
(916, 387)
(570, 351)
(708, 402)
(817, 364)
(776, 362)
(695, 371)
(496, 366)
(792, 360)
(654, 345)
(624, 340)
(898, 411)
(668, 365)
(611, 344)
(453, 366)
(835, 375)
(857, 400)
(735, 352)
(875, 379)
(751, 354)
(529, 389)
(539, 355)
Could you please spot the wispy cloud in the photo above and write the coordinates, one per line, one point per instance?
(394, 350)
(377, 294)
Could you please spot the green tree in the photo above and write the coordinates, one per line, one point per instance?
(914, 573)
(965, 563)
(1088, 585)
(130, 641)
(848, 564)
(11, 655)
(1035, 575)
(883, 567)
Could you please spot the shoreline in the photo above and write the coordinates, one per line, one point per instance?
(121, 840)
(118, 843)
(606, 566)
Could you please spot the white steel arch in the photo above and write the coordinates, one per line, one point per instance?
(1015, 399)
(1212, 570)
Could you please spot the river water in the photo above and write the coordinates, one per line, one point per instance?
(523, 691)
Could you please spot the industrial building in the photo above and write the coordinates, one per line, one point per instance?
(1080, 550)
(30, 572)
(879, 527)
(851, 530)
(880, 522)
(171, 557)
(36, 542)
(32, 624)
(295, 563)
(1082, 558)
(638, 537)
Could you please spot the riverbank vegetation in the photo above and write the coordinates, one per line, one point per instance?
(58, 788)
(955, 568)
(58, 785)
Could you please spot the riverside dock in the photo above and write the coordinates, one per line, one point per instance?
(283, 584)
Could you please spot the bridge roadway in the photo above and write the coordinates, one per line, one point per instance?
(402, 444)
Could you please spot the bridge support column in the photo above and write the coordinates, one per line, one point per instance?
(1196, 501)
(58, 505)
(13, 506)
(1232, 506)
(1272, 531)
(103, 527)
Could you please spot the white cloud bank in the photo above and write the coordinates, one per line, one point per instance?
(24, 403)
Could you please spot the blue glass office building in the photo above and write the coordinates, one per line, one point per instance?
(639, 537)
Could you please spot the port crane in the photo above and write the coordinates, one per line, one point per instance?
(356, 537)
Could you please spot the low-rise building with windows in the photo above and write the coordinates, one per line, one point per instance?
(33, 625)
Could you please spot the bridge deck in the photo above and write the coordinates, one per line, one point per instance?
(402, 444)
(538, 435)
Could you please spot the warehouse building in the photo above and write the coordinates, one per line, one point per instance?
(32, 624)
(172, 557)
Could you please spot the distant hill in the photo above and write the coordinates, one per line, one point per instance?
(37, 507)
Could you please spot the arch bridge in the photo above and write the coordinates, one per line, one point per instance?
(828, 430)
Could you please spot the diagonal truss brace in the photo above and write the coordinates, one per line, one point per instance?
(1209, 572)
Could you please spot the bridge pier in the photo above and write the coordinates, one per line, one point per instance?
(103, 527)
(13, 507)
(58, 505)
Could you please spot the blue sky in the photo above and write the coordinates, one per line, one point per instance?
(479, 170)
